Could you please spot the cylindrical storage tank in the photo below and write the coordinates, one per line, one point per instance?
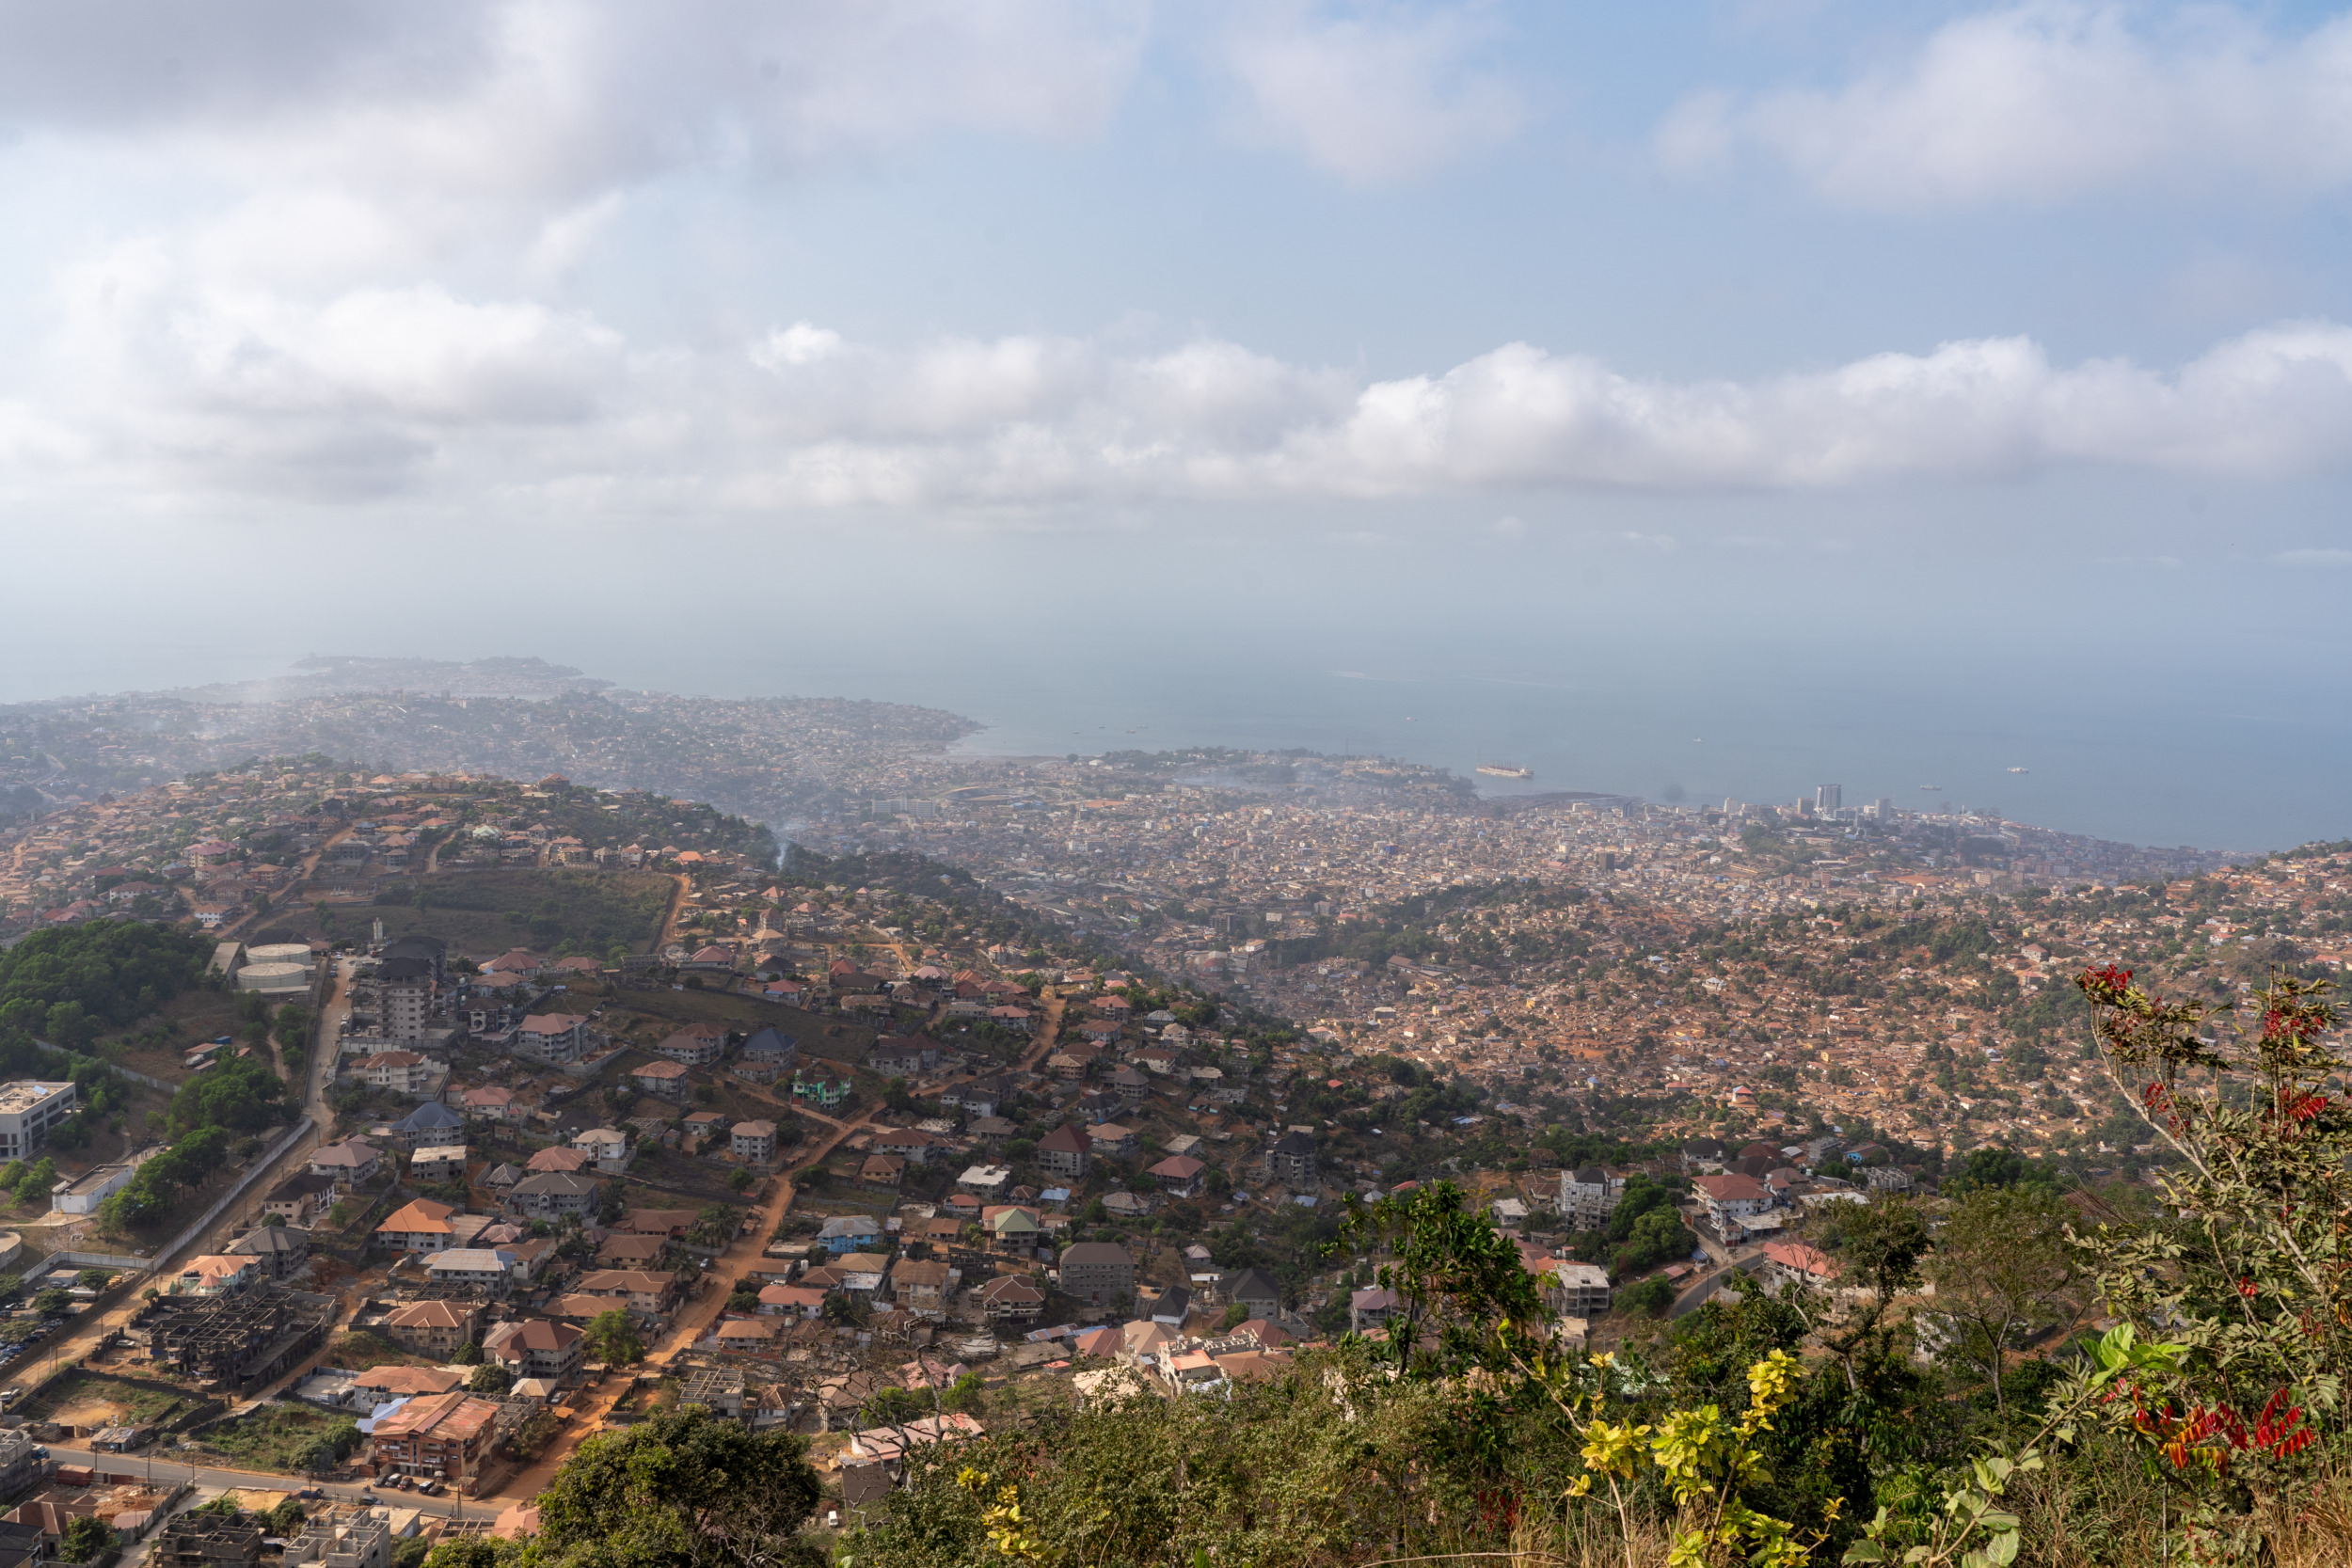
(279, 953)
(274, 978)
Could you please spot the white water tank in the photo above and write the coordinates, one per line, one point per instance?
(274, 978)
(279, 953)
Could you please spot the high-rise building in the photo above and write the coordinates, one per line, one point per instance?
(1827, 799)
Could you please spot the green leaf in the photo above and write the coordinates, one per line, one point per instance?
(1865, 1551)
(2002, 1548)
(1999, 1521)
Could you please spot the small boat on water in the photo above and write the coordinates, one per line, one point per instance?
(2021, 770)
(1505, 770)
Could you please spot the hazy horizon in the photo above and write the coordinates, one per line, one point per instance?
(1869, 393)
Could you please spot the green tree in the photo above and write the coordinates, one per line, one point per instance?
(683, 1487)
(86, 1540)
(52, 1302)
(613, 1339)
(490, 1378)
(2000, 1265)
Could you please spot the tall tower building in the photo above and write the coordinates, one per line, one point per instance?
(1827, 799)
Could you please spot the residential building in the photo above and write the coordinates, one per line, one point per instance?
(1574, 1289)
(217, 1275)
(491, 1268)
(754, 1141)
(431, 1124)
(1098, 1273)
(768, 1056)
(419, 1227)
(554, 1038)
(1290, 1161)
(278, 1250)
(639, 1289)
(1588, 1196)
(438, 1165)
(1064, 1151)
(299, 1199)
(1256, 1290)
(696, 1045)
(920, 1286)
(551, 1196)
(665, 1079)
(1730, 1198)
(1011, 1300)
(608, 1147)
(436, 1328)
(352, 1161)
(536, 1347)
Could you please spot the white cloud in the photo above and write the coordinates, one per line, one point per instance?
(543, 106)
(167, 382)
(2046, 102)
(1373, 93)
(2314, 557)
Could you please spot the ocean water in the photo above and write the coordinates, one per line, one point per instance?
(2216, 739)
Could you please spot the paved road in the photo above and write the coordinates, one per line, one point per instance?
(1691, 1299)
(164, 1467)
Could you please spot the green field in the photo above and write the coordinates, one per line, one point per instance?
(483, 913)
(275, 1437)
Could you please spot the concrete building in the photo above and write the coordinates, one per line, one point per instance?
(1098, 1273)
(29, 1107)
(754, 1141)
(440, 1328)
(536, 1347)
(1065, 1152)
(551, 1195)
(83, 1193)
(1290, 1161)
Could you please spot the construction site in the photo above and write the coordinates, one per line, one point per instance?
(233, 1342)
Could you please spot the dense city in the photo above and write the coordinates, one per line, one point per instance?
(411, 1088)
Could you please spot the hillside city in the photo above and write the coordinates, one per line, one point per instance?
(485, 1070)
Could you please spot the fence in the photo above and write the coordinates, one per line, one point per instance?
(254, 1172)
(164, 1084)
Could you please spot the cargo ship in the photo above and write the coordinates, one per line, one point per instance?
(1505, 770)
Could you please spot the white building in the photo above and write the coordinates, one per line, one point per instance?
(28, 1109)
(1588, 1196)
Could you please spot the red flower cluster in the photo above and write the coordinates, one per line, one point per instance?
(2209, 1433)
(2304, 1107)
(2106, 985)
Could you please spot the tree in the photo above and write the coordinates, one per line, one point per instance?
(1649, 1298)
(683, 1487)
(52, 1302)
(740, 1178)
(468, 1355)
(490, 1378)
(2000, 1265)
(86, 1540)
(94, 1279)
(613, 1339)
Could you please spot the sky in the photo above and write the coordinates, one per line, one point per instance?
(1890, 342)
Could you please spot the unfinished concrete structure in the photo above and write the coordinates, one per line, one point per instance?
(198, 1540)
(235, 1341)
(342, 1536)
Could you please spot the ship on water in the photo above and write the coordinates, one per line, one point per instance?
(1505, 770)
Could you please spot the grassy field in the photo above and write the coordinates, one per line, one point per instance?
(188, 1019)
(275, 1437)
(359, 1350)
(483, 913)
